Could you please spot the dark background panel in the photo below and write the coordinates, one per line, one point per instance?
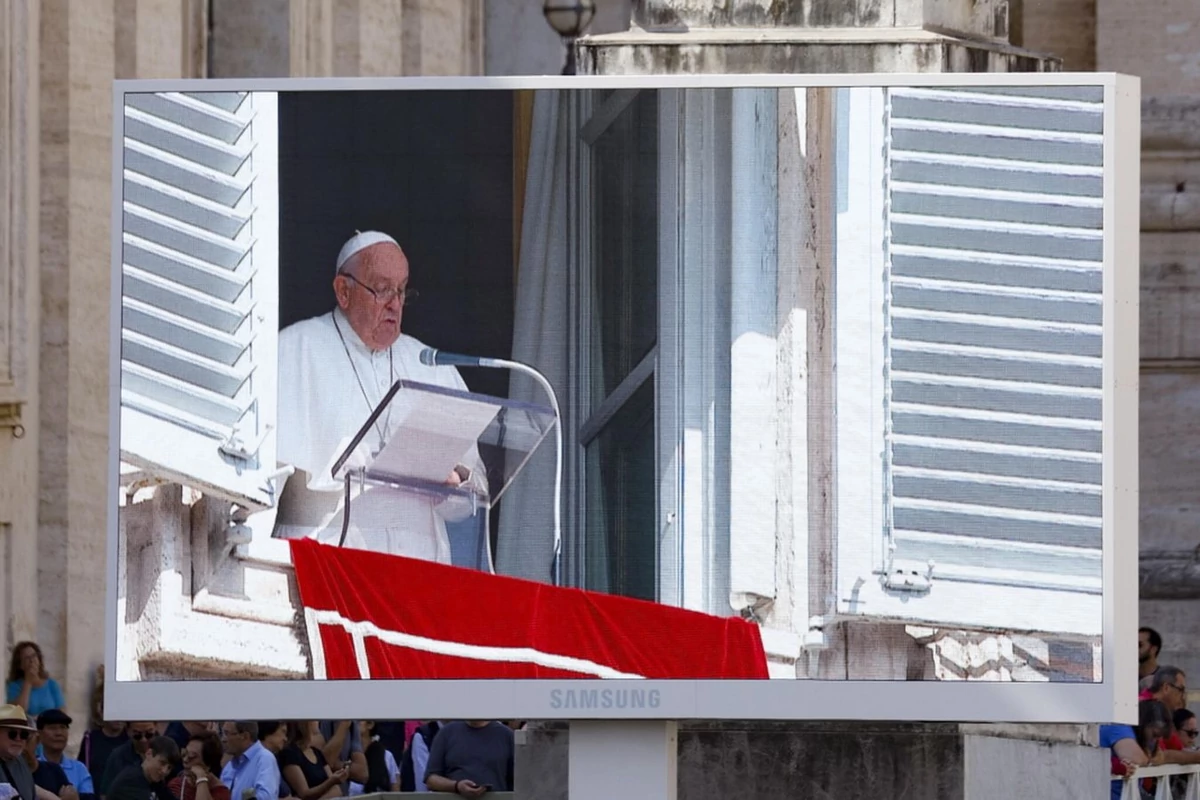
(432, 169)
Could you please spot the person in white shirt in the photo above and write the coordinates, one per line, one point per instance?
(383, 773)
(334, 370)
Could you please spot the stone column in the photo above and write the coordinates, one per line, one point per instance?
(373, 38)
(19, 21)
(84, 44)
(793, 36)
(161, 38)
(1066, 28)
(344, 38)
(1157, 42)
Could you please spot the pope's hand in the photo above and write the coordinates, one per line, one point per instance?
(455, 479)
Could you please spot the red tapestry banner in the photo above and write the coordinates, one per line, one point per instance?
(372, 615)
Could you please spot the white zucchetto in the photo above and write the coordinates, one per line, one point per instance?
(360, 241)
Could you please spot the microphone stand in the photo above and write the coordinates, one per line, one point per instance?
(431, 357)
(555, 564)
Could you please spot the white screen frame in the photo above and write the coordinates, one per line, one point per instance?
(1112, 700)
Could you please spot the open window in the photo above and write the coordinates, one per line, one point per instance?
(676, 359)
(968, 323)
(619, 291)
(199, 316)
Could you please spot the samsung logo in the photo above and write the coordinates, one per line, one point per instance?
(604, 698)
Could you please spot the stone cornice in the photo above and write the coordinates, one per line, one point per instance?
(1169, 574)
(1175, 211)
(1170, 123)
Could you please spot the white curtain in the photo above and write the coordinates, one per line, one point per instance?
(525, 542)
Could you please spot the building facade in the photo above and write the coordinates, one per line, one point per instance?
(61, 56)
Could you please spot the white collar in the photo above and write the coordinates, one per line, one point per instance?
(356, 345)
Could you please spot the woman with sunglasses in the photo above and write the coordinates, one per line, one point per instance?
(1187, 728)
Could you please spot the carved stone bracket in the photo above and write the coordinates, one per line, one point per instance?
(10, 417)
(1169, 574)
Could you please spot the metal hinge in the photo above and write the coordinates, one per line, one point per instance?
(235, 447)
(899, 579)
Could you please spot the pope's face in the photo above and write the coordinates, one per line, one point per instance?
(370, 292)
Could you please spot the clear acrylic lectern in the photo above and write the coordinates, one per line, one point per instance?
(432, 461)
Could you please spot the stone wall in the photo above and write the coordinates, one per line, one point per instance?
(1156, 41)
(861, 759)
(19, 332)
(57, 62)
(327, 38)
(83, 46)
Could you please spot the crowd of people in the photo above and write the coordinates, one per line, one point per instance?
(1167, 731)
(234, 760)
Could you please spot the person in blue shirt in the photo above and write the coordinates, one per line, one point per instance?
(54, 727)
(29, 685)
(251, 772)
(1136, 747)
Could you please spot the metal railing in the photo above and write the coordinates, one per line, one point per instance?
(1167, 785)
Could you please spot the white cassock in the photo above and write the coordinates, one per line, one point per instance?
(327, 390)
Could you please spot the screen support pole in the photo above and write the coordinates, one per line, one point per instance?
(629, 759)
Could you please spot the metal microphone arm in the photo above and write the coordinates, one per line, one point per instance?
(555, 564)
(432, 357)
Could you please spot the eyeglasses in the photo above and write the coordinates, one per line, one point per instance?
(384, 296)
(1190, 734)
(19, 735)
(139, 736)
(1178, 688)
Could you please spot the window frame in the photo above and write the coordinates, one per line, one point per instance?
(172, 450)
(994, 597)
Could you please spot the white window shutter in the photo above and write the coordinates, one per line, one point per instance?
(993, 336)
(199, 310)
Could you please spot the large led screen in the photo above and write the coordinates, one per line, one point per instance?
(597, 397)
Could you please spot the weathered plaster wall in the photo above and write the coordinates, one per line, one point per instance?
(845, 760)
(19, 331)
(1066, 28)
(58, 60)
(84, 45)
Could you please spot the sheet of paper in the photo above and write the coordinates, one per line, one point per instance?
(431, 434)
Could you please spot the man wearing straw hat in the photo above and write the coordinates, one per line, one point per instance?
(15, 730)
(334, 370)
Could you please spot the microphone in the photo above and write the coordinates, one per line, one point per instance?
(432, 357)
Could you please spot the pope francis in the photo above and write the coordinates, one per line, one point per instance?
(333, 371)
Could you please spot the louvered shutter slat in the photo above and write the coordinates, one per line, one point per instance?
(185, 271)
(152, 163)
(193, 114)
(993, 345)
(213, 217)
(198, 289)
(211, 312)
(184, 143)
